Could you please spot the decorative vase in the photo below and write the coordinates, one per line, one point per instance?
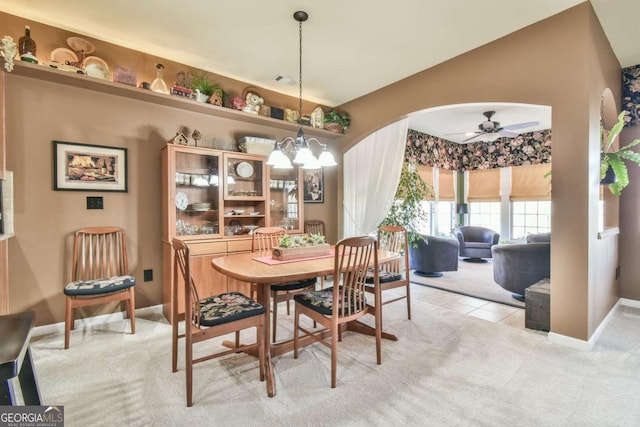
(609, 177)
(158, 85)
(201, 97)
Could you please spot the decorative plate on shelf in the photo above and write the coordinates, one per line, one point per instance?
(181, 200)
(244, 169)
(61, 55)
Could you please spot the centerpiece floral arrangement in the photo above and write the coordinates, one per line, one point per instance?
(300, 246)
(287, 241)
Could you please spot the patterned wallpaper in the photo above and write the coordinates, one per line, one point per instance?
(525, 149)
(631, 94)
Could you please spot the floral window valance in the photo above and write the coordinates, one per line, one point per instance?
(525, 149)
(631, 93)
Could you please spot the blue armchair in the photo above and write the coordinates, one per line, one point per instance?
(433, 256)
(476, 242)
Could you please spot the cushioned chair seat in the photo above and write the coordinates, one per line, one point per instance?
(227, 307)
(475, 242)
(320, 301)
(383, 277)
(99, 286)
(291, 286)
(434, 255)
(518, 266)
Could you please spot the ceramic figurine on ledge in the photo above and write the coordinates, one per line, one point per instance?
(252, 103)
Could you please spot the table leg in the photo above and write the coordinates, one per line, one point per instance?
(263, 298)
(357, 326)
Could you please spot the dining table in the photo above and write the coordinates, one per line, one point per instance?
(259, 268)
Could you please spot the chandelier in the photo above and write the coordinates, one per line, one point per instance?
(299, 145)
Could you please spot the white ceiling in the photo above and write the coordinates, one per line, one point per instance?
(350, 48)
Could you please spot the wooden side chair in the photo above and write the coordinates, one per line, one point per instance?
(314, 226)
(99, 273)
(394, 274)
(345, 301)
(264, 239)
(211, 317)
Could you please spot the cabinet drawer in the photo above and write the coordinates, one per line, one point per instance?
(239, 246)
(206, 248)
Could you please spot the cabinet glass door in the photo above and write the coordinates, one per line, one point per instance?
(284, 199)
(197, 193)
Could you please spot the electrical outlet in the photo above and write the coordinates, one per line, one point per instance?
(148, 275)
(95, 202)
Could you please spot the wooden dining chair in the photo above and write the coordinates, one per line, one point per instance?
(394, 274)
(99, 273)
(345, 301)
(264, 239)
(315, 226)
(210, 317)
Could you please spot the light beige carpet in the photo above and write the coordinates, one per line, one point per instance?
(447, 369)
(472, 279)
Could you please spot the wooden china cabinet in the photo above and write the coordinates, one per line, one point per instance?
(214, 199)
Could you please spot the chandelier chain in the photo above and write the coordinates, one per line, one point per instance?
(300, 70)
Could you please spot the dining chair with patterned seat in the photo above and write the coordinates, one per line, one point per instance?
(99, 274)
(264, 239)
(395, 274)
(315, 226)
(344, 302)
(210, 317)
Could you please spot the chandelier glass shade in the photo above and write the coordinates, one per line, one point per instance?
(298, 147)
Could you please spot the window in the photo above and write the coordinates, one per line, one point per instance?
(485, 214)
(530, 217)
(445, 215)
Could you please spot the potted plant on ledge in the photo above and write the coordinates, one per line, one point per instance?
(613, 170)
(336, 122)
(205, 89)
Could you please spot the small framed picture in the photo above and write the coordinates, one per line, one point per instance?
(313, 186)
(85, 167)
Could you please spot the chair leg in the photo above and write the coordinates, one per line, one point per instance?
(189, 368)
(274, 320)
(132, 309)
(68, 321)
(334, 355)
(237, 339)
(174, 345)
(288, 309)
(296, 322)
(260, 341)
(409, 301)
(378, 323)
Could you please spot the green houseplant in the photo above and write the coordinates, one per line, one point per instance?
(336, 121)
(613, 161)
(407, 209)
(201, 84)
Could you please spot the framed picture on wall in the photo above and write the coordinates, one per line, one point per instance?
(85, 167)
(313, 186)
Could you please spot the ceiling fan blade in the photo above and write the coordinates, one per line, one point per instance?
(473, 137)
(520, 125)
(508, 134)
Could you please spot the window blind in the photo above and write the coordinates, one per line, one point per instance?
(426, 172)
(528, 182)
(446, 187)
(484, 185)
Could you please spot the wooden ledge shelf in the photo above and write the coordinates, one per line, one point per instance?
(53, 75)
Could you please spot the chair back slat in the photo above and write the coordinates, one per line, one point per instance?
(394, 238)
(265, 238)
(99, 252)
(353, 257)
(182, 268)
(314, 226)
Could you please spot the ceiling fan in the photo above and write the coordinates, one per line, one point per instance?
(491, 130)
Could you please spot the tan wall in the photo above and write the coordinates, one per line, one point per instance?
(39, 112)
(548, 64)
(630, 226)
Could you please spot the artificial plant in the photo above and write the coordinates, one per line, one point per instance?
(407, 209)
(615, 159)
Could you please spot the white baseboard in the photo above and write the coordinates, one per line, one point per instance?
(56, 328)
(583, 345)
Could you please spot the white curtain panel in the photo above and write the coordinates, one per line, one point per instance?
(371, 174)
